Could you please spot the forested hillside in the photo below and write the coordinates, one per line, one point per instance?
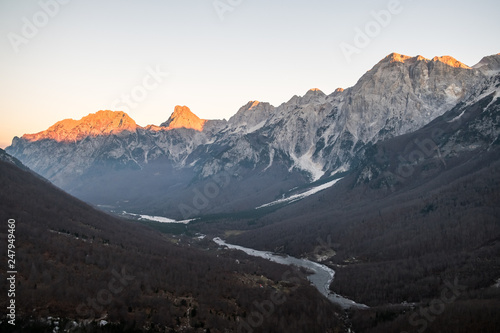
(77, 264)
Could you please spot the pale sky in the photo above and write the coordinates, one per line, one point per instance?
(67, 58)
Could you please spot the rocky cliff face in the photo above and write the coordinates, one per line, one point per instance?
(184, 118)
(315, 135)
(101, 123)
(468, 131)
(322, 134)
(70, 148)
(489, 64)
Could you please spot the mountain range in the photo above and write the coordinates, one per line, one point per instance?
(262, 151)
(420, 210)
(393, 183)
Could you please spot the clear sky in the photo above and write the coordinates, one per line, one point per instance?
(68, 58)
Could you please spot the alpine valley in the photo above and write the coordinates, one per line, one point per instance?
(256, 156)
(393, 183)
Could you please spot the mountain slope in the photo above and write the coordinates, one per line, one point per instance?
(305, 139)
(489, 64)
(420, 211)
(456, 145)
(323, 134)
(77, 266)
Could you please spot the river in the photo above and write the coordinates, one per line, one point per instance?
(321, 277)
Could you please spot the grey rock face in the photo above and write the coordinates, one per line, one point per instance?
(315, 134)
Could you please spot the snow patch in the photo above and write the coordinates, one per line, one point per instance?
(256, 127)
(271, 159)
(484, 94)
(452, 92)
(306, 163)
(457, 117)
(300, 196)
(495, 97)
(160, 219)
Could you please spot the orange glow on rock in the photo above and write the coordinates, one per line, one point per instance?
(184, 118)
(105, 123)
(450, 61)
(95, 124)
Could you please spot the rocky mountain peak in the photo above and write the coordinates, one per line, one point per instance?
(312, 96)
(401, 94)
(254, 104)
(109, 120)
(450, 61)
(337, 92)
(489, 64)
(396, 57)
(252, 114)
(313, 134)
(315, 92)
(401, 58)
(95, 124)
(182, 117)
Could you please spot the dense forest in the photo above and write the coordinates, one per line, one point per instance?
(78, 266)
(397, 239)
